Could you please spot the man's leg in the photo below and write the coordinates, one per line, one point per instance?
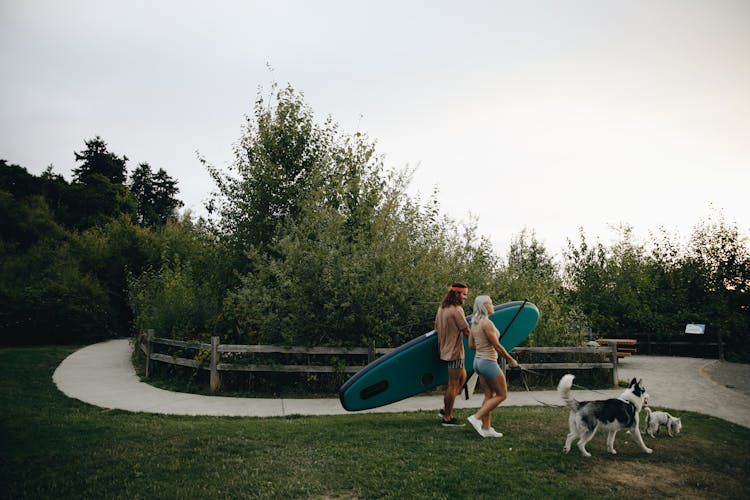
(456, 380)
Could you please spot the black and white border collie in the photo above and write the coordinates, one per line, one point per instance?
(612, 415)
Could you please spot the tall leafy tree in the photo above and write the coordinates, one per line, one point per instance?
(615, 286)
(334, 250)
(277, 168)
(722, 253)
(26, 217)
(531, 273)
(589, 284)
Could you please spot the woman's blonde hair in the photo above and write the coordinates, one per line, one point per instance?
(479, 311)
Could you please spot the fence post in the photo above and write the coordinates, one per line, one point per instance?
(215, 379)
(370, 354)
(615, 377)
(721, 345)
(149, 350)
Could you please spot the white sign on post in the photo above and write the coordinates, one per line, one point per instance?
(695, 329)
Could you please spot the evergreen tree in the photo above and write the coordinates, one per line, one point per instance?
(142, 188)
(164, 202)
(98, 194)
(154, 194)
(97, 160)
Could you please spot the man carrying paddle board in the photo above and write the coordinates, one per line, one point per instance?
(451, 324)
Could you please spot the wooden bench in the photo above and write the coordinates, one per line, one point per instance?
(625, 347)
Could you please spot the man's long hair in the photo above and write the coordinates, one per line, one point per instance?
(452, 298)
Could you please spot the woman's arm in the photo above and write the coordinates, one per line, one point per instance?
(493, 336)
(505, 354)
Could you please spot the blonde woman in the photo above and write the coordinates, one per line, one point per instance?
(485, 339)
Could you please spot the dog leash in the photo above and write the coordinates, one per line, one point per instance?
(526, 386)
(587, 389)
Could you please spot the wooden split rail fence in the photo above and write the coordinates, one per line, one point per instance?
(215, 365)
(610, 351)
(215, 350)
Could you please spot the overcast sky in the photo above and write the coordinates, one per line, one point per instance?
(549, 115)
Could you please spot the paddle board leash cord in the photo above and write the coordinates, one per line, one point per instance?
(472, 382)
(512, 320)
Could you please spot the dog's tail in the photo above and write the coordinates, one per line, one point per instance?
(563, 389)
(648, 416)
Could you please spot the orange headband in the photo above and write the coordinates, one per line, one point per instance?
(458, 289)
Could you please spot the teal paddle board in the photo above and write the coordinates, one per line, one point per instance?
(415, 367)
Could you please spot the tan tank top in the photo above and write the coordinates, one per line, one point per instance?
(485, 350)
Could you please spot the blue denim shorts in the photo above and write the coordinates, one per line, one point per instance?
(487, 368)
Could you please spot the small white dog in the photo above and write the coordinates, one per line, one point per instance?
(655, 420)
(612, 415)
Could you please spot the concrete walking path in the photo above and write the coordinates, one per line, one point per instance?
(102, 375)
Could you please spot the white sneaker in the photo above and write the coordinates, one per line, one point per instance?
(477, 424)
(491, 432)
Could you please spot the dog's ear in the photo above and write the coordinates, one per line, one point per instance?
(633, 382)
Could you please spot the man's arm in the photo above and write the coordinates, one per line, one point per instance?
(463, 325)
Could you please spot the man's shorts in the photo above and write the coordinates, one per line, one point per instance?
(456, 363)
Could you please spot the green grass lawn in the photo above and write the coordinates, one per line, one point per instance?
(55, 447)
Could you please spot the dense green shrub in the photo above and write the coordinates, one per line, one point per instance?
(180, 295)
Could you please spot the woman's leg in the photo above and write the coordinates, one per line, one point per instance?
(498, 391)
(488, 394)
